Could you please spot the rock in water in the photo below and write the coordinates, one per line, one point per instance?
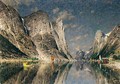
(12, 28)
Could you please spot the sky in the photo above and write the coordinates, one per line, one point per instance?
(81, 18)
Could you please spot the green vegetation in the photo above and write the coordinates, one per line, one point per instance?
(94, 56)
(33, 59)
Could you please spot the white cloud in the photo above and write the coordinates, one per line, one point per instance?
(56, 10)
(62, 15)
(65, 15)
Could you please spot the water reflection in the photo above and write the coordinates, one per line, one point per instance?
(105, 75)
(80, 72)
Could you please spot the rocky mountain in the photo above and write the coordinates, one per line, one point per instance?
(99, 42)
(34, 35)
(39, 30)
(47, 36)
(113, 42)
(80, 55)
(107, 44)
(12, 28)
(59, 35)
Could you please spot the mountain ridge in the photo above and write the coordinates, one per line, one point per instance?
(108, 44)
(33, 34)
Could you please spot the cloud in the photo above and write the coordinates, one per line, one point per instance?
(62, 15)
(65, 15)
(78, 38)
(56, 10)
(108, 1)
(85, 35)
(35, 9)
(70, 25)
(16, 3)
(92, 11)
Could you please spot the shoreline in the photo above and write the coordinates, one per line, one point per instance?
(113, 65)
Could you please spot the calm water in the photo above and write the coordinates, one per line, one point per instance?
(42, 73)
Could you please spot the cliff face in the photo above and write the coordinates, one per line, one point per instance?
(59, 36)
(34, 34)
(106, 44)
(48, 38)
(113, 42)
(99, 41)
(12, 28)
(39, 30)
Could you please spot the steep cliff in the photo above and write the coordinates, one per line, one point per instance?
(13, 29)
(99, 41)
(42, 32)
(113, 42)
(34, 35)
(59, 36)
(107, 44)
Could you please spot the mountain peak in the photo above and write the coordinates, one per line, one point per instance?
(105, 44)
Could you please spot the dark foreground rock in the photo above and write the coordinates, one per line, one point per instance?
(8, 50)
(12, 28)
